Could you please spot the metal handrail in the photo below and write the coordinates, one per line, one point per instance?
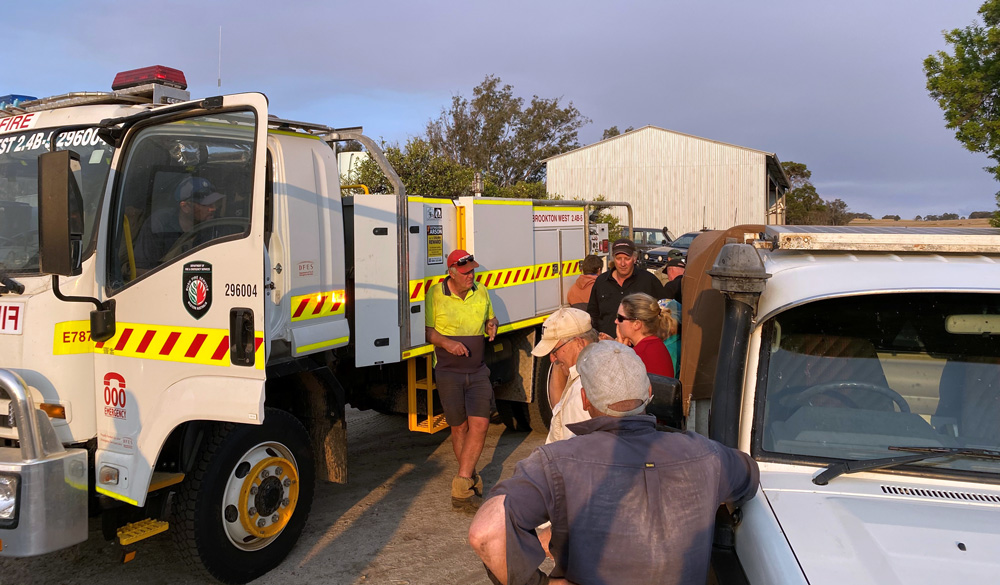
(23, 407)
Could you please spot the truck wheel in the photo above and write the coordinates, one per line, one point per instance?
(244, 504)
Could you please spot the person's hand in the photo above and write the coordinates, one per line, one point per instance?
(559, 582)
(457, 348)
(604, 336)
(491, 327)
(623, 340)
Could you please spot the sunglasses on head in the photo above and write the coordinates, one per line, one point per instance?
(464, 260)
(622, 318)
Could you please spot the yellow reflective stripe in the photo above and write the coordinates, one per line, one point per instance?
(504, 277)
(488, 201)
(418, 351)
(557, 209)
(421, 350)
(521, 324)
(295, 134)
(431, 200)
(317, 304)
(112, 494)
(193, 345)
(324, 344)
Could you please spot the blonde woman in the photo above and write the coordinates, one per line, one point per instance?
(643, 324)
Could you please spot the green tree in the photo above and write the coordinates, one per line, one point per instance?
(502, 135)
(966, 85)
(421, 170)
(803, 205)
(613, 131)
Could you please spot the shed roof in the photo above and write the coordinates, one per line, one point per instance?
(773, 164)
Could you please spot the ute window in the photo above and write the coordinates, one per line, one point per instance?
(19, 191)
(186, 185)
(847, 378)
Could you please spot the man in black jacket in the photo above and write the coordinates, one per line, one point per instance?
(612, 286)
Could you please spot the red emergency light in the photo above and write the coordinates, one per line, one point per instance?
(155, 74)
(604, 246)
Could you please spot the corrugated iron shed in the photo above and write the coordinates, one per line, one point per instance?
(676, 180)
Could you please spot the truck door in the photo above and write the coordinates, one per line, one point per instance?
(183, 260)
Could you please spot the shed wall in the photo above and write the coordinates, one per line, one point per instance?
(683, 182)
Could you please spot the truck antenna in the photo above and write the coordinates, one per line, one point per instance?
(220, 55)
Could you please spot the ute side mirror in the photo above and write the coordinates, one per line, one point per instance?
(667, 404)
(60, 214)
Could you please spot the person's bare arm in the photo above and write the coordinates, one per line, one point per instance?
(491, 327)
(449, 345)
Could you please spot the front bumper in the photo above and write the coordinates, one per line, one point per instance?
(50, 510)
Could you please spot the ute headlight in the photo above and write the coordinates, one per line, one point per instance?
(9, 491)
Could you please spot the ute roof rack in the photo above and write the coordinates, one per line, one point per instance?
(150, 93)
(883, 238)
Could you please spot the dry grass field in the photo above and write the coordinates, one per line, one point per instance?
(981, 223)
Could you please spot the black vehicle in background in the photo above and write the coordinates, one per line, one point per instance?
(647, 239)
(678, 248)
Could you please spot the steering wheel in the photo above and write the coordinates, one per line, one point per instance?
(187, 237)
(803, 398)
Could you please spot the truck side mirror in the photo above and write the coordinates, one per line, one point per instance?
(667, 404)
(60, 214)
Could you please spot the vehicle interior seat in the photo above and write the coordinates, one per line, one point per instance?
(969, 405)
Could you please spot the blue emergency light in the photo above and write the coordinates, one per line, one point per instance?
(15, 100)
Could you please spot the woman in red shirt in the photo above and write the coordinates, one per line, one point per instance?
(643, 324)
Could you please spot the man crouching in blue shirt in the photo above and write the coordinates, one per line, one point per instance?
(628, 505)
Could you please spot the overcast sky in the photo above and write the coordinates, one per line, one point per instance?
(836, 85)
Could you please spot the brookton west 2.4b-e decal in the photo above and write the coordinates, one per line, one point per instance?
(197, 293)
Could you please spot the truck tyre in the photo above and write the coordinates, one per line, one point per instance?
(243, 505)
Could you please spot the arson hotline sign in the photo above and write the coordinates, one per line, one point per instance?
(435, 244)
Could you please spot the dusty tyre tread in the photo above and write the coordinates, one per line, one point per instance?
(184, 504)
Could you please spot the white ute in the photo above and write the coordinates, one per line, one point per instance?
(860, 367)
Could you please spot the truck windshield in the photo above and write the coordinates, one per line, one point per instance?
(19, 190)
(847, 378)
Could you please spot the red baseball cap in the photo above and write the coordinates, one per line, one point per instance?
(462, 261)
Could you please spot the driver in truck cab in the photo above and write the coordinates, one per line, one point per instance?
(196, 202)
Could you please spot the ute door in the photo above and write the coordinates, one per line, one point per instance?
(183, 261)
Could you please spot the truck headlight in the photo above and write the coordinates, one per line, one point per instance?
(8, 500)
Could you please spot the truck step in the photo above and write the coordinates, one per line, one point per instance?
(432, 423)
(135, 531)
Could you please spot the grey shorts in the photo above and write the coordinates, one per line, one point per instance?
(464, 395)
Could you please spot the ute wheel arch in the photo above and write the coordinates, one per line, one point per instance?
(245, 466)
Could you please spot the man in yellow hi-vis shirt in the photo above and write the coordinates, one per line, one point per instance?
(457, 320)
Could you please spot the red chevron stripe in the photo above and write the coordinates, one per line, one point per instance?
(121, 342)
(506, 280)
(319, 306)
(195, 345)
(257, 342)
(416, 289)
(302, 307)
(146, 339)
(335, 307)
(220, 351)
(169, 345)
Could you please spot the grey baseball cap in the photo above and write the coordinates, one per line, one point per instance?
(611, 372)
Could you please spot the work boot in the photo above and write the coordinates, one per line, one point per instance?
(477, 485)
(464, 496)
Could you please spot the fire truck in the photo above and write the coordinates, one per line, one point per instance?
(188, 302)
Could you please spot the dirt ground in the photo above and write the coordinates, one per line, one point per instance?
(391, 524)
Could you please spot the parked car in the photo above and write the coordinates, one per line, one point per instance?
(657, 257)
(649, 238)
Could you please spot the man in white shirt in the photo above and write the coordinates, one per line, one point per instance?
(564, 334)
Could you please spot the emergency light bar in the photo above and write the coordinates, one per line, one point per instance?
(155, 74)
